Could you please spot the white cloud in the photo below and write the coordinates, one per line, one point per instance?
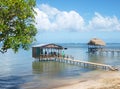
(50, 18)
(107, 23)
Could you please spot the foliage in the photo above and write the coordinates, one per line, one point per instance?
(17, 24)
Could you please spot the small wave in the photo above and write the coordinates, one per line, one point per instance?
(13, 82)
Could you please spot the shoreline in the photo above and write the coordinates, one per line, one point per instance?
(91, 80)
(104, 80)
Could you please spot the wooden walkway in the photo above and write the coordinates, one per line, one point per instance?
(87, 64)
(82, 63)
(113, 51)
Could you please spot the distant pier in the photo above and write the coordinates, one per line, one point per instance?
(97, 46)
(107, 51)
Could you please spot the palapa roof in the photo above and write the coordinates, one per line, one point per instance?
(54, 46)
(96, 42)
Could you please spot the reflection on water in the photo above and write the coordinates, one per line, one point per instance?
(55, 73)
(96, 58)
(47, 68)
(104, 58)
(57, 70)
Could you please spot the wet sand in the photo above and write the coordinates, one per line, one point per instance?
(91, 80)
(96, 80)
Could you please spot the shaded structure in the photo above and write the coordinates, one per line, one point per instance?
(95, 45)
(47, 51)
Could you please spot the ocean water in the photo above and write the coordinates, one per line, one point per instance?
(21, 71)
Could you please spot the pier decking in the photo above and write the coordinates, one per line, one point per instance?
(112, 52)
(82, 63)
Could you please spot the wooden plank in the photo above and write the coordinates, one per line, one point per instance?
(81, 63)
(91, 63)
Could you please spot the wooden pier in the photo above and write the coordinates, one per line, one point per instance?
(87, 64)
(54, 52)
(108, 51)
(82, 63)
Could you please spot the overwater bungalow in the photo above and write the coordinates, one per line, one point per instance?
(54, 52)
(95, 44)
(47, 51)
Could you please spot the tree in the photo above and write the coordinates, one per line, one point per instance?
(17, 24)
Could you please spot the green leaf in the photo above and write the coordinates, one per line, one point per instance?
(17, 24)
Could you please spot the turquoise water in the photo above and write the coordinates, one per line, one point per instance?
(20, 71)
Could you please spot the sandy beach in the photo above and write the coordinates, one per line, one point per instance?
(105, 80)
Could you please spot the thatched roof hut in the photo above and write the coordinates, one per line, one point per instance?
(96, 42)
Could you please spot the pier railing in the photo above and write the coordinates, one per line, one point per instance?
(87, 64)
(109, 50)
(70, 60)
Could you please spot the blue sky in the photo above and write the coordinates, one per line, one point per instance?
(77, 21)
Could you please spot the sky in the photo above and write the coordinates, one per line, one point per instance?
(77, 21)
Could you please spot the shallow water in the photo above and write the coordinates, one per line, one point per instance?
(20, 71)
